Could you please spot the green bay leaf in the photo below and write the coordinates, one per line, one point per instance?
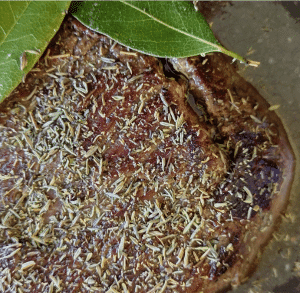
(158, 28)
(25, 27)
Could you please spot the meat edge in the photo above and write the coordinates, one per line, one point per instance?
(241, 270)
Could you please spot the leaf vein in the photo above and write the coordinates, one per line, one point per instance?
(3, 30)
(21, 38)
(12, 11)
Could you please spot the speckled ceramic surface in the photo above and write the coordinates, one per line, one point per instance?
(269, 32)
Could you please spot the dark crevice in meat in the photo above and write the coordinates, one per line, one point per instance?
(169, 70)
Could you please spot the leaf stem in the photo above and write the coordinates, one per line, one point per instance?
(239, 57)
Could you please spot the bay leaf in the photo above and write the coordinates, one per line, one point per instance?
(157, 28)
(26, 28)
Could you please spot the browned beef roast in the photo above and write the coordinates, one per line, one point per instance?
(111, 182)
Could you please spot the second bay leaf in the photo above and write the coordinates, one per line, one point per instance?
(158, 28)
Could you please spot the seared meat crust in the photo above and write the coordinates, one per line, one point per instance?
(261, 161)
(111, 182)
(254, 136)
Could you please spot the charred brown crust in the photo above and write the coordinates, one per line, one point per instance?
(110, 182)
